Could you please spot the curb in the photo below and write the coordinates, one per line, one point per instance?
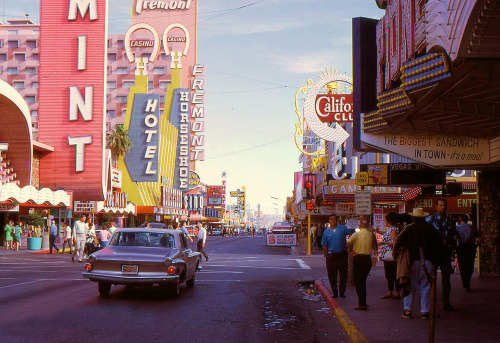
(352, 330)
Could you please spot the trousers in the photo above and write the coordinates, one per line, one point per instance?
(52, 243)
(361, 266)
(420, 283)
(466, 254)
(336, 264)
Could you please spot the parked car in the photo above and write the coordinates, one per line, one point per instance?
(144, 256)
(281, 228)
(216, 232)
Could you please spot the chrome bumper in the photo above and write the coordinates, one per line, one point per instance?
(130, 279)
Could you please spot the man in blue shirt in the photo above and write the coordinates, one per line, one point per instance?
(52, 237)
(335, 252)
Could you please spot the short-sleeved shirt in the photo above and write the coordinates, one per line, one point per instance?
(53, 230)
(68, 232)
(202, 235)
(8, 232)
(335, 240)
(104, 235)
(465, 233)
(362, 242)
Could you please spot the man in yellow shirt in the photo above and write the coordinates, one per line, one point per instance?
(362, 243)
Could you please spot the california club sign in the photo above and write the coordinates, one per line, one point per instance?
(334, 108)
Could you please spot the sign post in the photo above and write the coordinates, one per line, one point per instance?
(363, 203)
(309, 207)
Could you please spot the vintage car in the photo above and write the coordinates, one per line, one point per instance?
(144, 256)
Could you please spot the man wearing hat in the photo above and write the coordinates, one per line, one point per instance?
(447, 231)
(419, 234)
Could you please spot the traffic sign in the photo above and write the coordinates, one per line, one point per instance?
(361, 178)
(363, 202)
(310, 205)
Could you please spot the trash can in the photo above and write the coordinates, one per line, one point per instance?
(34, 243)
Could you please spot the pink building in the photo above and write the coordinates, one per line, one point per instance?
(19, 61)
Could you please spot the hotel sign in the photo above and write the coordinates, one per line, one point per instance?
(72, 95)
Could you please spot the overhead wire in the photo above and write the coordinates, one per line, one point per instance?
(250, 148)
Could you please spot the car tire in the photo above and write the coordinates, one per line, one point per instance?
(104, 288)
(190, 282)
(173, 289)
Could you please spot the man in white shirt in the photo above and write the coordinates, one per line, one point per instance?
(202, 239)
(80, 235)
(111, 228)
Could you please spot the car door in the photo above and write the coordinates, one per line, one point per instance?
(190, 258)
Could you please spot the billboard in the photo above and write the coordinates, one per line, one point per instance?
(72, 79)
(215, 195)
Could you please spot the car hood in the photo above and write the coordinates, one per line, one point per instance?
(135, 254)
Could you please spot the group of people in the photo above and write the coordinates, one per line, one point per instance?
(13, 235)
(412, 249)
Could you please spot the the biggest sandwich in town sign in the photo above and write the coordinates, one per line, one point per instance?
(72, 82)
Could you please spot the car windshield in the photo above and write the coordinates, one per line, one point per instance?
(143, 239)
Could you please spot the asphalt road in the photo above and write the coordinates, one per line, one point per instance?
(247, 292)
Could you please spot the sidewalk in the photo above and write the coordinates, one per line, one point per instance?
(476, 318)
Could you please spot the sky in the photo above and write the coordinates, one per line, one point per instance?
(257, 54)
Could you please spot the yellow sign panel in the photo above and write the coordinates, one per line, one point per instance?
(361, 178)
(378, 174)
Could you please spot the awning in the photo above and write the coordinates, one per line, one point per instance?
(169, 211)
(11, 192)
(130, 209)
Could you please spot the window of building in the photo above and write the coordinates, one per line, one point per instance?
(122, 70)
(1, 43)
(36, 31)
(109, 70)
(32, 44)
(30, 98)
(30, 70)
(112, 84)
(162, 99)
(127, 84)
(3, 57)
(13, 32)
(109, 43)
(1, 70)
(159, 70)
(13, 44)
(18, 84)
(124, 112)
(35, 57)
(121, 99)
(121, 44)
(20, 57)
(110, 114)
(34, 85)
(12, 71)
(151, 85)
(34, 115)
(108, 98)
(112, 56)
(164, 84)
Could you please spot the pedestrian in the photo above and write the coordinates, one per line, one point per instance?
(362, 243)
(104, 235)
(335, 252)
(424, 247)
(91, 241)
(185, 232)
(466, 250)
(52, 236)
(79, 234)
(202, 240)
(319, 236)
(446, 229)
(9, 229)
(17, 235)
(67, 238)
(390, 265)
(111, 228)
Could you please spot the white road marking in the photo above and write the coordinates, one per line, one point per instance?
(202, 281)
(19, 284)
(218, 272)
(254, 267)
(302, 264)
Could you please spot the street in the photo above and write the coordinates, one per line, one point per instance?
(247, 292)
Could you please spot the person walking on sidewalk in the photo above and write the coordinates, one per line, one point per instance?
(335, 253)
(79, 233)
(9, 229)
(18, 231)
(362, 243)
(67, 237)
(446, 229)
(202, 239)
(466, 251)
(52, 237)
(390, 265)
(419, 235)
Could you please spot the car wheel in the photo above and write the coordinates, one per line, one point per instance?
(104, 288)
(173, 289)
(190, 282)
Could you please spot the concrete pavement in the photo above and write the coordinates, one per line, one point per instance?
(476, 318)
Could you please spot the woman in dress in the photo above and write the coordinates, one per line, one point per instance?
(9, 231)
(390, 265)
(17, 235)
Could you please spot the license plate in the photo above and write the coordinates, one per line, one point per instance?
(130, 269)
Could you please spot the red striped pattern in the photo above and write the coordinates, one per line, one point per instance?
(58, 71)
